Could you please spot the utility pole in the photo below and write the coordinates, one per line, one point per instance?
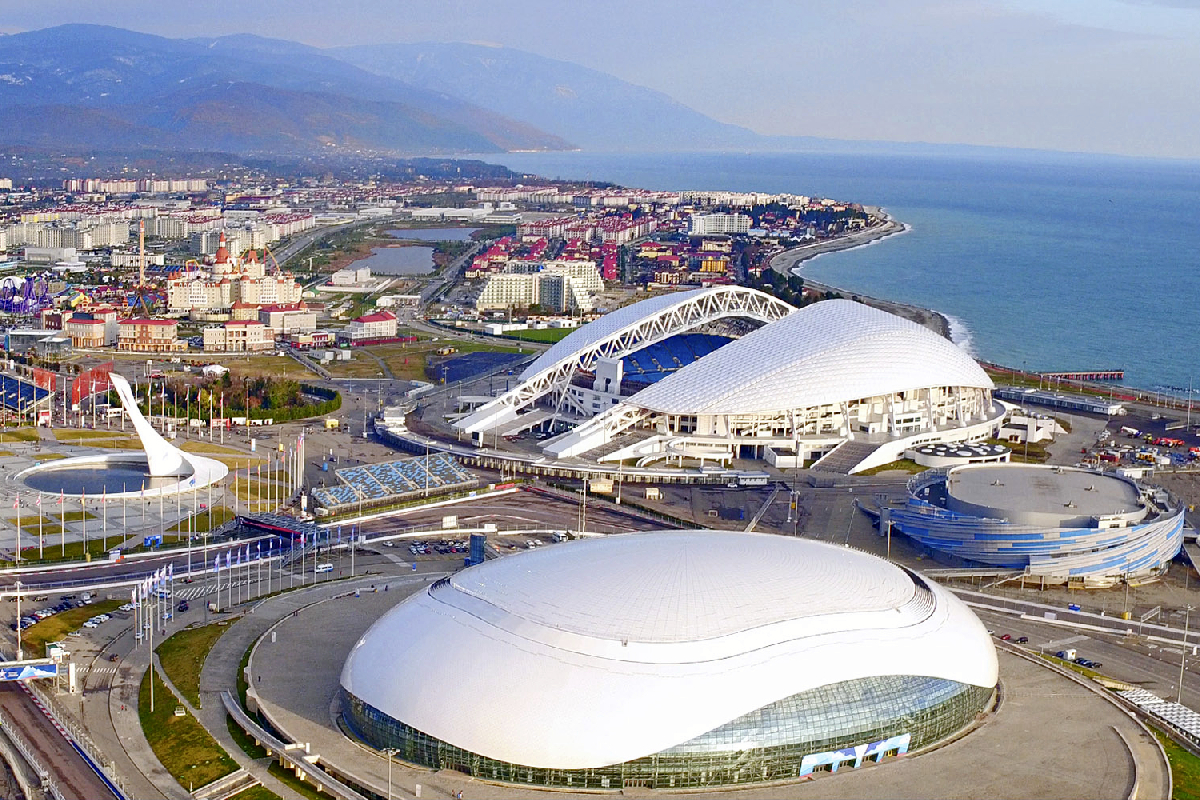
(1183, 656)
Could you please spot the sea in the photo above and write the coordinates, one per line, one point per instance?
(1041, 261)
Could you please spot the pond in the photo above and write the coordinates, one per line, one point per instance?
(434, 234)
(398, 261)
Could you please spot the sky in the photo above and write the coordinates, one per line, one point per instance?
(1115, 76)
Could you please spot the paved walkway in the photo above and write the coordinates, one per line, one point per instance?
(221, 666)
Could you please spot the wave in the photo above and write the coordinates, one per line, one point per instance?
(960, 334)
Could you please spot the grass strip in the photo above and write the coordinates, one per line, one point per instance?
(257, 792)
(1185, 768)
(181, 744)
(182, 656)
(55, 628)
(200, 523)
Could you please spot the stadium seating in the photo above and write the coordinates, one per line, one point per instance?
(19, 395)
(654, 362)
(406, 476)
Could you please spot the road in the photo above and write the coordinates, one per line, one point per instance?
(1130, 659)
(75, 779)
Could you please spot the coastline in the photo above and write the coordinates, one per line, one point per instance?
(788, 261)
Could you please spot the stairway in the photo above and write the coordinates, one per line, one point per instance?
(845, 457)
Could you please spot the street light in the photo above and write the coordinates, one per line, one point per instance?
(1183, 656)
(389, 752)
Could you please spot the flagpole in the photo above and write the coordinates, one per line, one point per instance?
(83, 516)
(41, 540)
(62, 520)
(104, 511)
(17, 557)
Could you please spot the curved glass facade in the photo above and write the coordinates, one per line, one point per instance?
(878, 716)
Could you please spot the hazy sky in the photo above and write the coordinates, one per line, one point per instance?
(1118, 76)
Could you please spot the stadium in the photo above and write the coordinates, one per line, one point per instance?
(1057, 524)
(709, 376)
(668, 660)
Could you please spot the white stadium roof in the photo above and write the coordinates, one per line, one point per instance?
(829, 352)
(598, 330)
(599, 651)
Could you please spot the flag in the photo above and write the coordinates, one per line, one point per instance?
(217, 562)
(17, 500)
(228, 559)
(192, 482)
(247, 552)
(170, 572)
(39, 501)
(60, 497)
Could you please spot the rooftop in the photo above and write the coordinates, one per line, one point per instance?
(1043, 489)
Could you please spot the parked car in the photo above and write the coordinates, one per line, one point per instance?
(1023, 640)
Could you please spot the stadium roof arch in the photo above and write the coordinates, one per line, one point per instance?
(620, 333)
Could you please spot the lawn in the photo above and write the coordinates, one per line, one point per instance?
(73, 435)
(56, 628)
(259, 792)
(358, 367)
(182, 746)
(1185, 769)
(264, 366)
(19, 435)
(118, 441)
(47, 456)
(407, 362)
(257, 751)
(182, 656)
(209, 447)
(903, 465)
(549, 335)
(53, 550)
(1037, 453)
(219, 516)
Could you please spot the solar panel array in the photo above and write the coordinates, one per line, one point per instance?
(406, 476)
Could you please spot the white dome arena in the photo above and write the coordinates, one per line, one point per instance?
(579, 663)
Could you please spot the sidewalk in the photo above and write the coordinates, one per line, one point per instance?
(258, 768)
(221, 666)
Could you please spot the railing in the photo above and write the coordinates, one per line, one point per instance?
(27, 753)
(78, 738)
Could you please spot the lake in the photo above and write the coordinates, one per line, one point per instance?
(434, 234)
(398, 261)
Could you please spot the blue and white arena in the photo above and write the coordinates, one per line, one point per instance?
(1056, 524)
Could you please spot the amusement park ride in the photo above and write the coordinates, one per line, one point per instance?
(26, 295)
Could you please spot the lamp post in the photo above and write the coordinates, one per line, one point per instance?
(388, 753)
(1183, 656)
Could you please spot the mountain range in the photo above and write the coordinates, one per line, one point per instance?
(81, 87)
(86, 86)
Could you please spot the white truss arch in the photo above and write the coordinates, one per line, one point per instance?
(620, 333)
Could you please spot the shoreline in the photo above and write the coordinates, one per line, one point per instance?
(788, 263)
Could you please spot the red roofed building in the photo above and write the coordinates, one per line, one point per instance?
(380, 325)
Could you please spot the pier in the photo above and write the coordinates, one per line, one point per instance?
(1087, 375)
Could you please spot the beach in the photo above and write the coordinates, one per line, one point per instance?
(788, 262)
